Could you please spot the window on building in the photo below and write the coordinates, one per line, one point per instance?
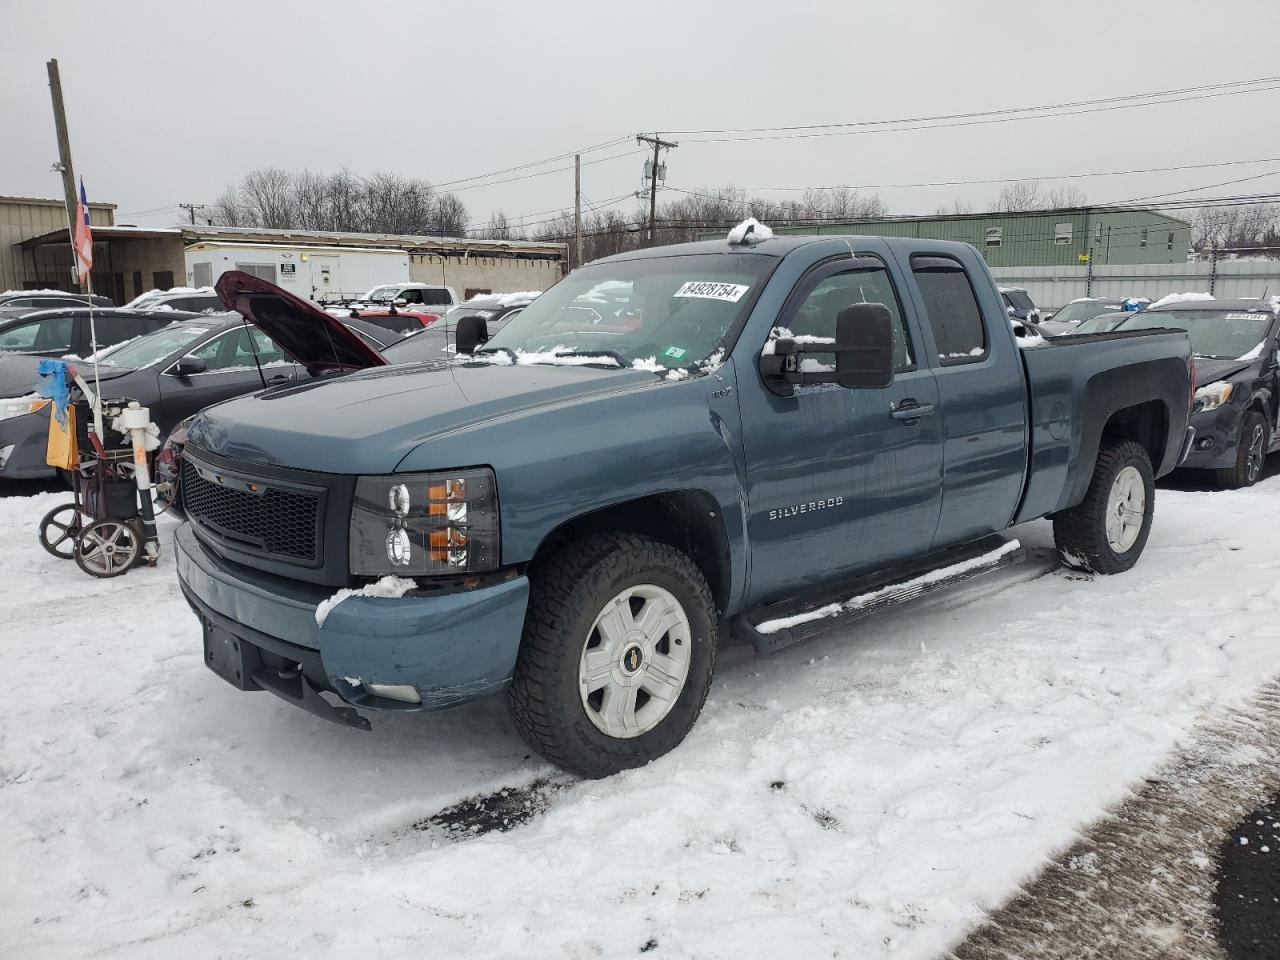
(162, 279)
(263, 271)
(1062, 234)
(1097, 232)
(994, 236)
(952, 307)
(1170, 240)
(1142, 237)
(202, 274)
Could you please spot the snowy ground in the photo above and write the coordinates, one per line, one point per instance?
(870, 794)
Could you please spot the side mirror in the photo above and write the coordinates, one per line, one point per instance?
(188, 365)
(470, 332)
(864, 347)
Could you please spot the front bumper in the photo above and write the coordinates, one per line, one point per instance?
(450, 647)
(1217, 439)
(26, 439)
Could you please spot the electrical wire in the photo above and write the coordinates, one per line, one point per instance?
(535, 163)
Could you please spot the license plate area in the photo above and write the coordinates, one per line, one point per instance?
(230, 657)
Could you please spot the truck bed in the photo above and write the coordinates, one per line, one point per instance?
(1075, 384)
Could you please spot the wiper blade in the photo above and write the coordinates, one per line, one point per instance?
(613, 355)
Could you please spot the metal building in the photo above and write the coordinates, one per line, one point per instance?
(1097, 235)
(24, 217)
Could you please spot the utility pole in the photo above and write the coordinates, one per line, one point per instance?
(191, 208)
(577, 208)
(64, 151)
(653, 179)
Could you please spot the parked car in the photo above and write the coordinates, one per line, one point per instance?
(1102, 323)
(16, 303)
(194, 299)
(402, 322)
(439, 341)
(1086, 308)
(1237, 398)
(178, 370)
(410, 294)
(572, 513)
(375, 335)
(1017, 303)
(56, 333)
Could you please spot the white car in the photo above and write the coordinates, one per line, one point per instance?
(412, 294)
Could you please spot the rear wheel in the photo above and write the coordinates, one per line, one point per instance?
(1107, 532)
(617, 654)
(1251, 454)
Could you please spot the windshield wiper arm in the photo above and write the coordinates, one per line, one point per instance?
(613, 355)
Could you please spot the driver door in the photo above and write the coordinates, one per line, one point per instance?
(229, 371)
(840, 481)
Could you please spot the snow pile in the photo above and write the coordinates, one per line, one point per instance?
(750, 231)
(390, 587)
(506, 299)
(1188, 297)
(862, 600)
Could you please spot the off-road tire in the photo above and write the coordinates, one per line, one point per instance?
(1238, 476)
(566, 594)
(1081, 532)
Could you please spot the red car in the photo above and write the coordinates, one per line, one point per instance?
(400, 321)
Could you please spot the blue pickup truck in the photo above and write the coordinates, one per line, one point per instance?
(666, 448)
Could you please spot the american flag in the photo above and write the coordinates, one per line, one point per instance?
(84, 236)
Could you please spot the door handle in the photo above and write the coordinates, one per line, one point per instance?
(278, 378)
(910, 410)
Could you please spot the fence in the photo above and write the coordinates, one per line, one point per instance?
(1052, 287)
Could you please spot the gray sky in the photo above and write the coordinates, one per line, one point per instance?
(170, 101)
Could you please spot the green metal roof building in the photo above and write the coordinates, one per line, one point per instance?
(1100, 235)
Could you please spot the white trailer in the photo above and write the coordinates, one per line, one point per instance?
(321, 274)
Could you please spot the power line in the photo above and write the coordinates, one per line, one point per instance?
(876, 126)
(543, 173)
(1207, 186)
(534, 163)
(985, 113)
(989, 180)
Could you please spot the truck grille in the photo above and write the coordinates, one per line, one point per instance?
(278, 522)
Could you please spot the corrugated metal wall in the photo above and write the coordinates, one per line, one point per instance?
(21, 218)
(1052, 287)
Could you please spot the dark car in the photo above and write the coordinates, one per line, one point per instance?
(1086, 308)
(177, 371)
(1017, 303)
(400, 322)
(17, 303)
(56, 333)
(194, 299)
(1237, 380)
(439, 341)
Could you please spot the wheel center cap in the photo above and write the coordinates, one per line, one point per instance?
(632, 660)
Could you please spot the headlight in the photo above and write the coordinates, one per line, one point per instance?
(1212, 396)
(21, 406)
(420, 524)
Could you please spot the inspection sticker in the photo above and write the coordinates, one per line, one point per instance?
(710, 290)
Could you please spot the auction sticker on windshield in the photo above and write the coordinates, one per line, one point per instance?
(711, 290)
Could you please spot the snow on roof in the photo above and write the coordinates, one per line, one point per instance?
(506, 299)
(750, 231)
(1017, 290)
(1172, 298)
(45, 290)
(172, 292)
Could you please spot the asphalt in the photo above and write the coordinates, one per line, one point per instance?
(1247, 901)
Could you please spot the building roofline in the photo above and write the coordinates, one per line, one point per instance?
(197, 234)
(43, 201)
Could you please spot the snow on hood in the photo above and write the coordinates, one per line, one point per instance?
(750, 231)
(1188, 297)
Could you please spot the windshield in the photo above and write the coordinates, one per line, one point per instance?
(1085, 310)
(1217, 334)
(1019, 299)
(154, 347)
(1102, 323)
(672, 312)
(383, 294)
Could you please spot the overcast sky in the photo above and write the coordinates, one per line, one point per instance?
(170, 101)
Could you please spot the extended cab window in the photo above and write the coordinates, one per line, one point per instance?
(952, 308)
(817, 313)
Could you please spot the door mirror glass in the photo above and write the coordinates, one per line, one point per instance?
(188, 365)
(864, 346)
(470, 333)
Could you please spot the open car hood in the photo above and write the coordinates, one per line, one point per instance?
(311, 337)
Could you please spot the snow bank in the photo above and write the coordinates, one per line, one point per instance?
(750, 231)
(1188, 297)
(862, 600)
(391, 587)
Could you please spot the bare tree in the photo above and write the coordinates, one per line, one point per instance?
(448, 217)
(957, 208)
(229, 211)
(269, 196)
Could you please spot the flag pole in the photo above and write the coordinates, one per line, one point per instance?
(93, 342)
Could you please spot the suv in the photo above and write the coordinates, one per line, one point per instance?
(15, 303)
(1017, 304)
(191, 299)
(411, 294)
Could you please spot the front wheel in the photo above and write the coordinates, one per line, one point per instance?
(1251, 454)
(1107, 532)
(617, 654)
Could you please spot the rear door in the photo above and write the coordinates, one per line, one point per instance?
(840, 480)
(982, 395)
(230, 370)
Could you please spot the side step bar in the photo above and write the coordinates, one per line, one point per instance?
(776, 625)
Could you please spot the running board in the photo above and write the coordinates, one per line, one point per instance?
(776, 625)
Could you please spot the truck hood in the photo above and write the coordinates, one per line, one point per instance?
(368, 422)
(319, 341)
